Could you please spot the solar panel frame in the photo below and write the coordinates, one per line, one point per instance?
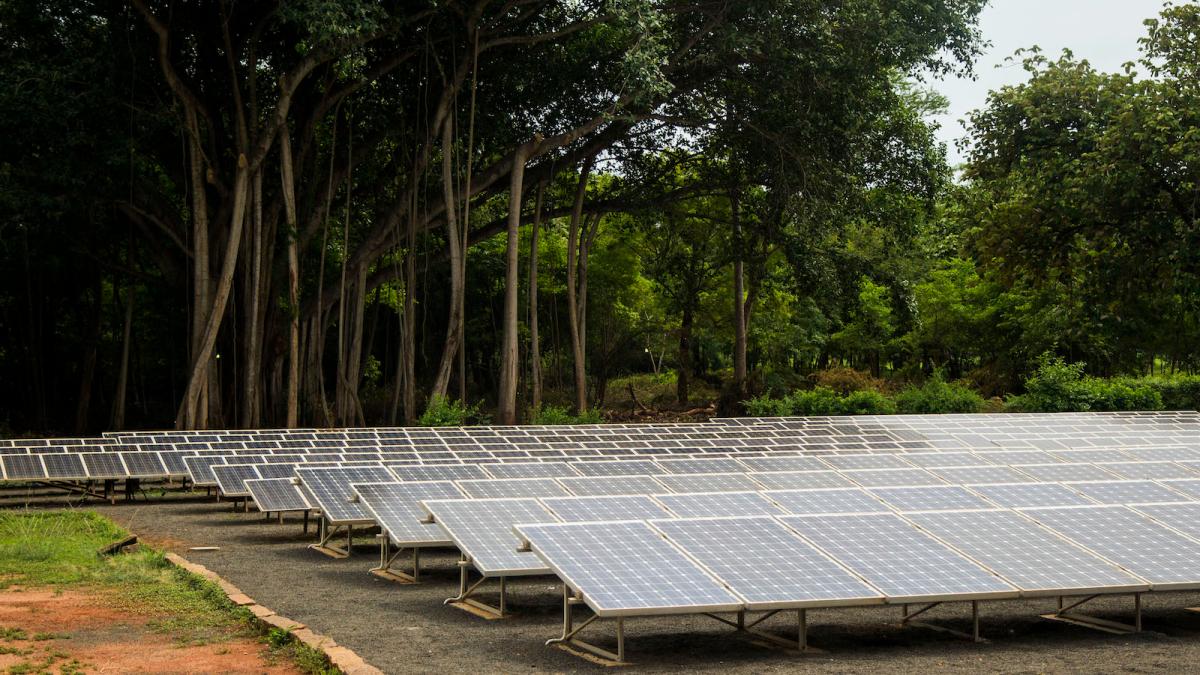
(278, 495)
(231, 478)
(482, 529)
(64, 466)
(530, 470)
(613, 549)
(1030, 495)
(833, 500)
(708, 482)
(767, 564)
(604, 508)
(593, 486)
(892, 477)
(23, 467)
(1062, 472)
(929, 498)
(701, 465)
(396, 507)
(492, 488)
(631, 467)
(144, 464)
(104, 465)
(718, 504)
(971, 475)
(329, 488)
(1127, 492)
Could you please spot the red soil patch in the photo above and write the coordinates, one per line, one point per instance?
(50, 629)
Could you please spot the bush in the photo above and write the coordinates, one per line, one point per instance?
(846, 381)
(765, 406)
(868, 403)
(937, 396)
(1058, 386)
(548, 415)
(1181, 392)
(818, 401)
(442, 412)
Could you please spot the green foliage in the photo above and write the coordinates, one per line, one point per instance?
(868, 403)
(555, 415)
(821, 401)
(1058, 386)
(937, 396)
(443, 412)
(1179, 392)
(846, 380)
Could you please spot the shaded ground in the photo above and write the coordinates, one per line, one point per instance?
(44, 630)
(407, 628)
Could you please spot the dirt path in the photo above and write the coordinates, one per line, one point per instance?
(76, 631)
(404, 629)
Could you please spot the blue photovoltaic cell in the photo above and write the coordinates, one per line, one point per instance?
(1184, 517)
(1024, 495)
(1149, 470)
(277, 495)
(1066, 472)
(970, 475)
(626, 568)
(1127, 492)
(483, 530)
(892, 477)
(512, 487)
(766, 563)
(231, 478)
(841, 500)
(330, 487)
(1025, 554)
(397, 509)
(1189, 487)
(899, 559)
(877, 461)
(530, 470)
(1160, 555)
(618, 507)
(930, 498)
(586, 486)
(718, 504)
(631, 467)
(792, 463)
(800, 480)
(438, 471)
(708, 482)
(721, 465)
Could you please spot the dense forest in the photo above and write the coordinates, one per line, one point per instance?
(346, 212)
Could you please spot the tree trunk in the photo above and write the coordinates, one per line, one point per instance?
(201, 361)
(287, 175)
(88, 369)
(408, 350)
(685, 355)
(573, 302)
(739, 294)
(507, 408)
(201, 273)
(535, 351)
(118, 415)
(441, 383)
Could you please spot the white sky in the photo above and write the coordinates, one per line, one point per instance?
(1105, 32)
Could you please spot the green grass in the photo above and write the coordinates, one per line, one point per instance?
(60, 549)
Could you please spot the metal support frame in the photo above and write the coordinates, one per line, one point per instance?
(800, 643)
(83, 489)
(1067, 614)
(387, 559)
(906, 619)
(570, 636)
(325, 544)
(466, 590)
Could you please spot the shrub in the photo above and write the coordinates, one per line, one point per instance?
(548, 415)
(818, 401)
(1057, 386)
(1180, 392)
(937, 396)
(765, 406)
(846, 381)
(442, 412)
(868, 403)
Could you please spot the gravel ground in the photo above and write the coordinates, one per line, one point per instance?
(406, 628)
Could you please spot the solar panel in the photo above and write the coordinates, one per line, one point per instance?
(1189, 487)
(718, 504)
(800, 480)
(839, 500)
(231, 478)
(277, 495)
(898, 559)
(438, 471)
(24, 467)
(967, 475)
(103, 465)
(483, 530)
(1091, 456)
(173, 460)
(1165, 558)
(627, 569)
(397, 509)
(1127, 492)
(277, 470)
(1149, 470)
(618, 507)
(892, 477)
(330, 488)
(641, 467)
(512, 487)
(930, 498)
(1165, 454)
(1019, 495)
(64, 466)
(792, 463)
(1017, 457)
(531, 470)
(767, 564)
(722, 465)
(708, 482)
(144, 464)
(928, 460)
(1065, 472)
(199, 468)
(1028, 556)
(586, 486)
(877, 461)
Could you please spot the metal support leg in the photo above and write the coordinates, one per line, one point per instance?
(466, 602)
(587, 650)
(1067, 614)
(387, 559)
(907, 619)
(325, 544)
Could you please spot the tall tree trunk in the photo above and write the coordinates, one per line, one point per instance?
(739, 294)
(121, 395)
(573, 303)
(252, 404)
(408, 350)
(685, 355)
(90, 354)
(353, 372)
(441, 383)
(201, 266)
(535, 350)
(201, 361)
(507, 408)
(287, 176)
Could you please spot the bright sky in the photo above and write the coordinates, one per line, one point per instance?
(1105, 32)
